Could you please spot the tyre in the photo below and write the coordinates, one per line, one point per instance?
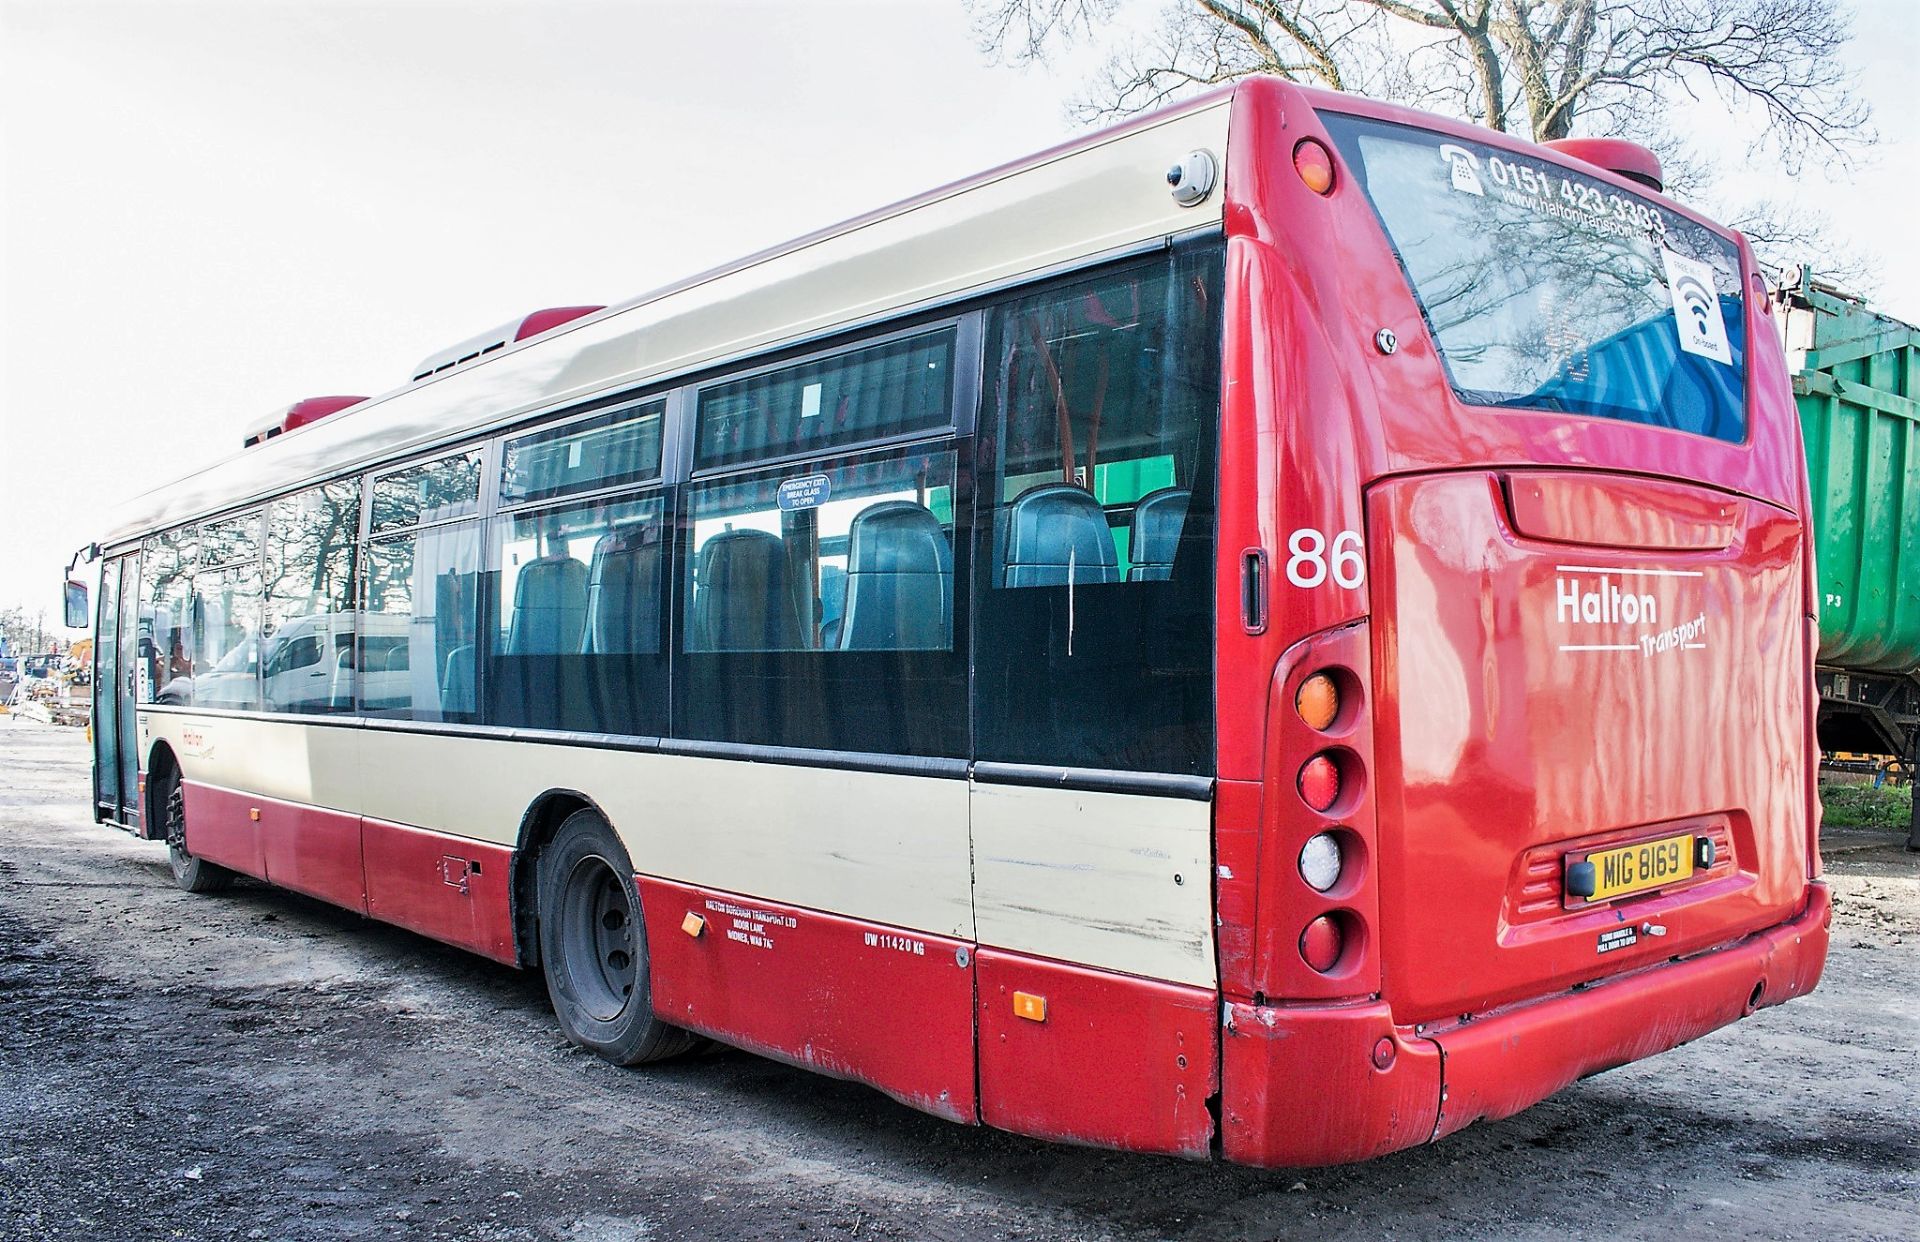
(593, 946)
(196, 875)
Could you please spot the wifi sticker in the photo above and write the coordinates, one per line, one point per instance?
(1696, 308)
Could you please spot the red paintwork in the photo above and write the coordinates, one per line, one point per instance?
(313, 409)
(1504, 1062)
(221, 830)
(551, 318)
(313, 851)
(1496, 742)
(409, 877)
(1300, 1086)
(1119, 1062)
(1609, 511)
(880, 1005)
(1486, 752)
(1615, 155)
(424, 881)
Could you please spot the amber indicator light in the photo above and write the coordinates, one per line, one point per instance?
(1029, 1006)
(1314, 163)
(1318, 702)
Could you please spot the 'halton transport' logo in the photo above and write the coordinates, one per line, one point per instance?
(1615, 609)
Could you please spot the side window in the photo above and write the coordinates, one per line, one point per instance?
(576, 641)
(819, 607)
(429, 491)
(226, 614)
(895, 388)
(620, 446)
(846, 557)
(417, 653)
(165, 642)
(308, 664)
(1094, 579)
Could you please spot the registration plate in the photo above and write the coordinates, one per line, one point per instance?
(1642, 866)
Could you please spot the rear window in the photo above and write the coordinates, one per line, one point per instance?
(1546, 289)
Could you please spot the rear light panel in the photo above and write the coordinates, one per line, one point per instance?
(1318, 893)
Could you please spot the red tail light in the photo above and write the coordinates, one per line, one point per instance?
(1320, 782)
(1322, 943)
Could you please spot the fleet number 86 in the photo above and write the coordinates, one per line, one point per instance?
(1309, 562)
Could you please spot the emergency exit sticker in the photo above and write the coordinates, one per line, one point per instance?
(1696, 308)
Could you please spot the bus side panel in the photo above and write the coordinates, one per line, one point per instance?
(221, 828)
(313, 851)
(450, 888)
(1087, 1056)
(863, 1001)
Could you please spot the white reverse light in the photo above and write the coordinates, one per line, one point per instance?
(1320, 861)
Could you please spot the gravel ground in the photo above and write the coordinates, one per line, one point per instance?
(258, 1065)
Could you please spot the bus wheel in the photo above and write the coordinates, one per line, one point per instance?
(196, 875)
(593, 946)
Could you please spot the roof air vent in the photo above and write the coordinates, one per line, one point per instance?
(294, 417)
(478, 347)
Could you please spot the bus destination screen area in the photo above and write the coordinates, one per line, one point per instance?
(1547, 289)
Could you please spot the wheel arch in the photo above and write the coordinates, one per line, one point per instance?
(538, 824)
(161, 761)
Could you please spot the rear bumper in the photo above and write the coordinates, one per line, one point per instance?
(1325, 1085)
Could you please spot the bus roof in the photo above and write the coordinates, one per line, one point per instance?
(1102, 193)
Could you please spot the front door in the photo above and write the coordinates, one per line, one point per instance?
(115, 759)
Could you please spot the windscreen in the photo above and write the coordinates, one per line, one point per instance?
(1546, 289)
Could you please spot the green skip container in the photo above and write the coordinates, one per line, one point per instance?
(1856, 377)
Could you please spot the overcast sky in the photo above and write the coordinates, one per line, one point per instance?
(212, 209)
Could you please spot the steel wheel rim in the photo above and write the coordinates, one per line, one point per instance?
(176, 813)
(597, 939)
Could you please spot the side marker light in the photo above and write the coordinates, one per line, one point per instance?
(1029, 1006)
(693, 925)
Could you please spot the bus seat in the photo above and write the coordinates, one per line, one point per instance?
(456, 683)
(1157, 521)
(623, 593)
(340, 686)
(899, 584)
(741, 601)
(833, 604)
(549, 608)
(1053, 531)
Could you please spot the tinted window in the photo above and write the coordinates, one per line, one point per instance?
(577, 640)
(1094, 586)
(885, 390)
(431, 491)
(417, 652)
(309, 657)
(1548, 289)
(819, 607)
(621, 446)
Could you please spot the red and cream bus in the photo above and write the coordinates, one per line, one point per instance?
(1280, 658)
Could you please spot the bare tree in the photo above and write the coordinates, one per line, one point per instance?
(1541, 68)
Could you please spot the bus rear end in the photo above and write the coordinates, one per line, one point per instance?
(1516, 725)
